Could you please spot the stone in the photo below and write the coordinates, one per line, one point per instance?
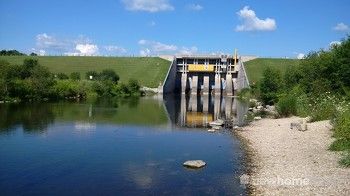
(308, 119)
(217, 122)
(2, 102)
(250, 109)
(216, 127)
(257, 118)
(194, 164)
(260, 107)
(303, 125)
(211, 130)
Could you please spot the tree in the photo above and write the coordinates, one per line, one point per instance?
(94, 75)
(134, 86)
(75, 76)
(109, 74)
(62, 76)
(33, 54)
(270, 85)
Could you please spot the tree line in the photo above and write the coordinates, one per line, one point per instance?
(33, 82)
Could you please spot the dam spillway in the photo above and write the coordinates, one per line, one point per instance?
(206, 74)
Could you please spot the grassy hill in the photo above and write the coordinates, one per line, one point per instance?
(148, 70)
(255, 68)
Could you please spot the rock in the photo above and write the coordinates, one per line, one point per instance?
(194, 164)
(1, 101)
(308, 119)
(303, 125)
(255, 110)
(257, 118)
(259, 107)
(237, 128)
(217, 122)
(216, 127)
(211, 130)
(250, 109)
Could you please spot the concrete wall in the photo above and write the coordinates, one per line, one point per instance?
(170, 79)
(242, 79)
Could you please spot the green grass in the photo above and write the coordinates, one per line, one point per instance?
(255, 68)
(150, 71)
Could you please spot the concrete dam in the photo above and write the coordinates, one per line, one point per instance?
(205, 74)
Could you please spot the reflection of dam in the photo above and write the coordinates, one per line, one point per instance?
(206, 74)
(198, 111)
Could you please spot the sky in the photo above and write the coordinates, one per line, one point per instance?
(268, 28)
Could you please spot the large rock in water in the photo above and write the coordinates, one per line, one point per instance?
(217, 122)
(194, 164)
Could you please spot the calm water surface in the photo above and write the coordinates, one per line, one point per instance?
(130, 147)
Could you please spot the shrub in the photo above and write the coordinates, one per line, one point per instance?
(287, 105)
(134, 87)
(109, 74)
(62, 76)
(94, 75)
(270, 85)
(75, 76)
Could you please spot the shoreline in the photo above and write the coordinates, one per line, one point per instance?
(282, 161)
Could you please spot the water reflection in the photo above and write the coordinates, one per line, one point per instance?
(198, 111)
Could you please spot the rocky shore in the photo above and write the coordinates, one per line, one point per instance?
(285, 161)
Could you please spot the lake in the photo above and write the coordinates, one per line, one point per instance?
(120, 147)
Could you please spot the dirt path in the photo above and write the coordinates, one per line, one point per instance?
(291, 162)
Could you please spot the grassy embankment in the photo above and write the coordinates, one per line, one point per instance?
(149, 71)
(255, 68)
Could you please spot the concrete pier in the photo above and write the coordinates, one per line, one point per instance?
(194, 86)
(205, 85)
(205, 102)
(217, 87)
(183, 83)
(229, 85)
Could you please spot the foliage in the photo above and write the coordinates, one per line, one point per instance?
(31, 81)
(149, 71)
(11, 53)
(108, 74)
(75, 76)
(287, 105)
(62, 76)
(94, 75)
(270, 85)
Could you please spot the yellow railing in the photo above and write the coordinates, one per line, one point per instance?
(200, 68)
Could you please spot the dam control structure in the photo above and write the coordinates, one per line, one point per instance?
(206, 74)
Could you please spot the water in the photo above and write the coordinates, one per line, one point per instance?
(130, 147)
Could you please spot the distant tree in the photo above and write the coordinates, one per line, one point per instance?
(62, 76)
(11, 53)
(75, 76)
(94, 75)
(33, 54)
(109, 74)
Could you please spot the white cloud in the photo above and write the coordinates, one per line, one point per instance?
(252, 23)
(301, 56)
(145, 52)
(148, 5)
(187, 51)
(117, 49)
(87, 49)
(334, 43)
(152, 48)
(194, 7)
(44, 40)
(341, 27)
(39, 52)
(157, 46)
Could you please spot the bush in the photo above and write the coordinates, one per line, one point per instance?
(270, 85)
(134, 87)
(94, 75)
(62, 76)
(287, 105)
(75, 76)
(109, 74)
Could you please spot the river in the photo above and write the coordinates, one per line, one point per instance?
(120, 147)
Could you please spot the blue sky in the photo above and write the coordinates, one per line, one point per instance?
(273, 28)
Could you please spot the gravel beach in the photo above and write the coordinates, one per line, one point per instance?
(290, 162)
